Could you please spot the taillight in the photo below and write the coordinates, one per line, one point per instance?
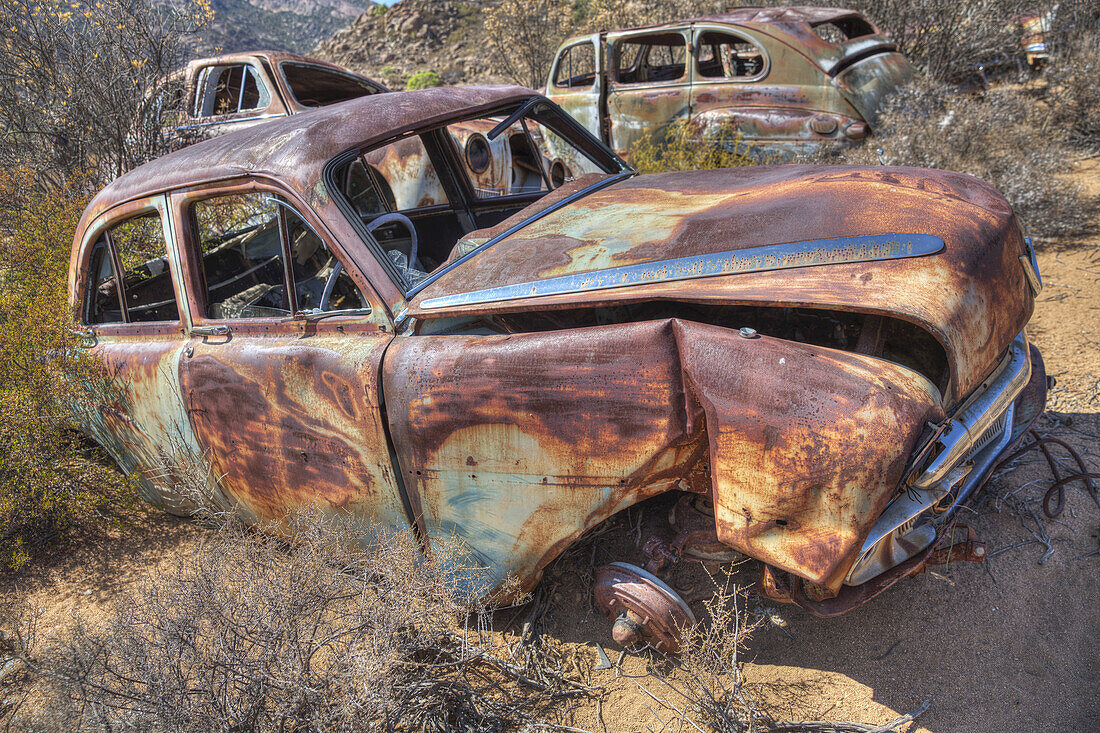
(856, 130)
(823, 125)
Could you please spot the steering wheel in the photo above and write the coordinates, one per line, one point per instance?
(330, 282)
(405, 222)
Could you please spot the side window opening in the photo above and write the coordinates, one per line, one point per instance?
(243, 243)
(230, 89)
(315, 270)
(102, 299)
(139, 249)
(838, 31)
(313, 86)
(647, 59)
(726, 56)
(576, 67)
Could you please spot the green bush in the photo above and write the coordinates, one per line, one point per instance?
(680, 146)
(423, 80)
(48, 483)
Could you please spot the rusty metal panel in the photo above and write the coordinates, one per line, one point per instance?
(806, 444)
(136, 411)
(291, 421)
(517, 444)
(972, 295)
(867, 83)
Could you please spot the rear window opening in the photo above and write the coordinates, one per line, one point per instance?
(838, 31)
(315, 86)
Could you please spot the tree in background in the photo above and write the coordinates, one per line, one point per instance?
(525, 35)
(83, 87)
(83, 83)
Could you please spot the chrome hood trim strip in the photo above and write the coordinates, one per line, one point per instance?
(843, 250)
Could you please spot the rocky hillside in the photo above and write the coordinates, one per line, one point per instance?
(284, 25)
(390, 45)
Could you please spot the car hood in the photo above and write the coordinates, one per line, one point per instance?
(936, 248)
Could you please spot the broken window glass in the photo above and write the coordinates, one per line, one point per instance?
(103, 305)
(137, 246)
(314, 86)
(724, 55)
(241, 250)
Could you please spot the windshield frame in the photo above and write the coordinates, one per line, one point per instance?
(546, 113)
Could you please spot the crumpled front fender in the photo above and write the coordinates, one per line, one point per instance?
(513, 446)
(807, 444)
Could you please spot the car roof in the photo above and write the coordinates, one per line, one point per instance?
(787, 15)
(793, 25)
(294, 149)
(274, 57)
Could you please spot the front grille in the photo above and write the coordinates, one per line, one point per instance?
(995, 431)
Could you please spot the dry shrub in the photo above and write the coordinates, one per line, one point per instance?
(48, 482)
(526, 34)
(710, 692)
(1003, 136)
(80, 83)
(1073, 84)
(345, 628)
(595, 15)
(679, 147)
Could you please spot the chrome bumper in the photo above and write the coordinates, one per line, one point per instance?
(964, 451)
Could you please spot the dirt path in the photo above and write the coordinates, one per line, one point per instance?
(1009, 645)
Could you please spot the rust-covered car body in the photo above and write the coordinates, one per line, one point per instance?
(220, 94)
(779, 80)
(834, 356)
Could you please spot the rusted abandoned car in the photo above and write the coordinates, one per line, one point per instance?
(212, 96)
(785, 79)
(227, 93)
(826, 361)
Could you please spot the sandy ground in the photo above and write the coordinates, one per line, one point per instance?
(1008, 645)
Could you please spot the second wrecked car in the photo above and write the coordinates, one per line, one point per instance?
(826, 361)
(778, 80)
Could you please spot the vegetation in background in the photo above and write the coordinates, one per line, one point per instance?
(423, 80)
(1006, 136)
(82, 84)
(48, 481)
(679, 147)
(525, 35)
(82, 95)
(1073, 91)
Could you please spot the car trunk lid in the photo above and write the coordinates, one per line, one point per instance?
(866, 77)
